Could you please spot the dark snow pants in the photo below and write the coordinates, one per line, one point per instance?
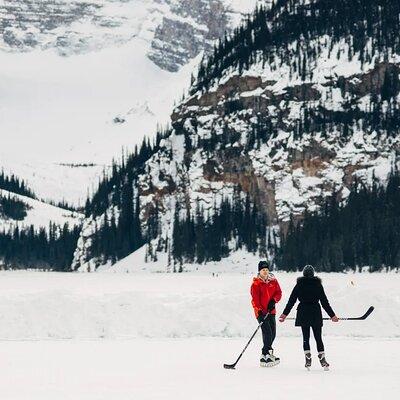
(268, 329)
(317, 331)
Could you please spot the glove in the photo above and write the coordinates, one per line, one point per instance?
(260, 317)
(271, 305)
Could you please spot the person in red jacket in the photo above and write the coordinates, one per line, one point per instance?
(265, 293)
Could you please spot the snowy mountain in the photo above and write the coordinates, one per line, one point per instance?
(82, 83)
(83, 80)
(301, 102)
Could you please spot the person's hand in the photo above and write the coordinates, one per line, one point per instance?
(260, 317)
(335, 318)
(271, 305)
(282, 318)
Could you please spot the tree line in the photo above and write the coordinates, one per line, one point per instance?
(363, 232)
(12, 183)
(51, 249)
(211, 235)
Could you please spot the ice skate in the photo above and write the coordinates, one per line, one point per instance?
(308, 360)
(276, 359)
(268, 361)
(322, 360)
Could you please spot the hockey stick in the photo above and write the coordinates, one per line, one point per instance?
(232, 366)
(365, 316)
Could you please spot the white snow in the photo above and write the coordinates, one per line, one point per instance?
(39, 214)
(166, 336)
(119, 305)
(180, 369)
(60, 111)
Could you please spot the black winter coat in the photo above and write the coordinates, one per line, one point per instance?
(309, 292)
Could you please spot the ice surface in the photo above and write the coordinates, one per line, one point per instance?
(181, 369)
(166, 336)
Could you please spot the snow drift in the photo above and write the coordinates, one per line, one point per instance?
(37, 306)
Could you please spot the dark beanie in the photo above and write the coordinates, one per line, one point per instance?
(308, 271)
(263, 264)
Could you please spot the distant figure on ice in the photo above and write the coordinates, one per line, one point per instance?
(265, 292)
(310, 292)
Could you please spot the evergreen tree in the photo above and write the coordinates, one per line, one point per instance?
(364, 232)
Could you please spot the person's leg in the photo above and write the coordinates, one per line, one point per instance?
(272, 325)
(267, 335)
(306, 345)
(317, 331)
(306, 337)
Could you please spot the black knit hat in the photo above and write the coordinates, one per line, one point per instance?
(308, 271)
(264, 264)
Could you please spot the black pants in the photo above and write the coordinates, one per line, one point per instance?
(317, 331)
(268, 329)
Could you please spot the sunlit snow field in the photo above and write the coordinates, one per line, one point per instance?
(166, 336)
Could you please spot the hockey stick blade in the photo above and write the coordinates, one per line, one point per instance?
(369, 311)
(365, 316)
(229, 366)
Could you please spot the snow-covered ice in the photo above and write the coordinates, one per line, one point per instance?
(117, 336)
(177, 369)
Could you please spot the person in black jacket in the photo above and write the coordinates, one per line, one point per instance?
(310, 292)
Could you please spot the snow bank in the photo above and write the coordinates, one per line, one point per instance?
(133, 305)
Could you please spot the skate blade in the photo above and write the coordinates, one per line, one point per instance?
(326, 368)
(270, 364)
(308, 368)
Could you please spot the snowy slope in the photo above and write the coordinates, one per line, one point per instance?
(77, 86)
(60, 111)
(39, 214)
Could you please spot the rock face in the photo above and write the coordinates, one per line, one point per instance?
(178, 30)
(288, 140)
(192, 27)
(26, 25)
(299, 172)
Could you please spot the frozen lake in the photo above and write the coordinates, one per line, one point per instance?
(192, 369)
(116, 336)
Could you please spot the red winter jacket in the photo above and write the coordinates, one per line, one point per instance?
(262, 292)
